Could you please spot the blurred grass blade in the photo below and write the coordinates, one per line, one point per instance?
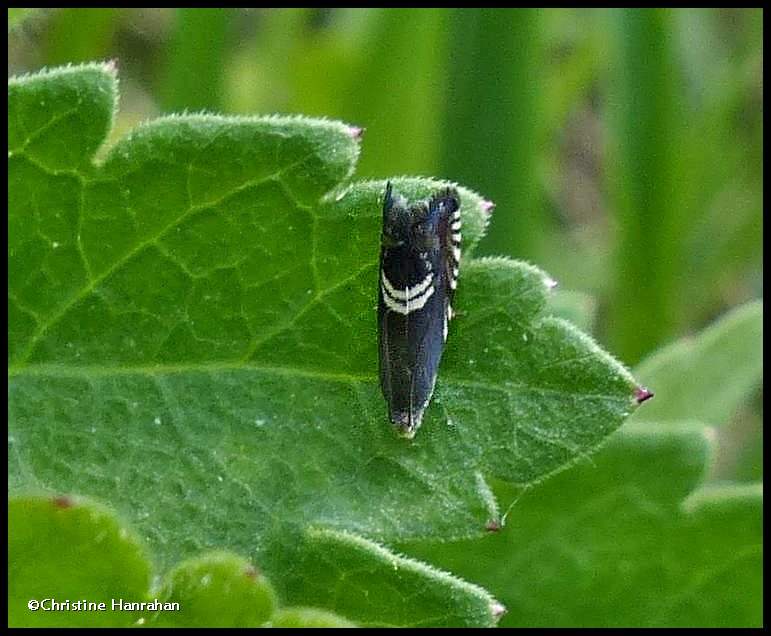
(642, 167)
(79, 35)
(262, 78)
(722, 185)
(194, 79)
(493, 119)
(398, 89)
(382, 69)
(18, 16)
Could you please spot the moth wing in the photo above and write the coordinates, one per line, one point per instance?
(447, 205)
(424, 350)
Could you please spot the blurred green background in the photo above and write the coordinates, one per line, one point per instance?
(623, 148)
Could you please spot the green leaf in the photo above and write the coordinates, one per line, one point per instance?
(614, 543)
(193, 339)
(215, 590)
(378, 586)
(707, 377)
(62, 548)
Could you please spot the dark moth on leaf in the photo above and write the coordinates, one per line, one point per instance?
(419, 261)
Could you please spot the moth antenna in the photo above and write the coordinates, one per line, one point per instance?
(388, 200)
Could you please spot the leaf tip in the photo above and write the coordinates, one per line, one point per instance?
(250, 572)
(488, 207)
(63, 502)
(497, 609)
(494, 525)
(356, 132)
(641, 394)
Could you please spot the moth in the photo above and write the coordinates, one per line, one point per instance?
(419, 264)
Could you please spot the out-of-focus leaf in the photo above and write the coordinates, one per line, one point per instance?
(215, 590)
(85, 568)
(308, 617)
(706, 377)
(65, 549)
(617, 541)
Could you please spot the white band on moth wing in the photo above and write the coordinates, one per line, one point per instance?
(410, 292)
(456, 253)
(411, 304)
(455, 226)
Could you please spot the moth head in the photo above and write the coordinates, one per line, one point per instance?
(424, 229)
(427, 217)
(416, 226)
(395, 220)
